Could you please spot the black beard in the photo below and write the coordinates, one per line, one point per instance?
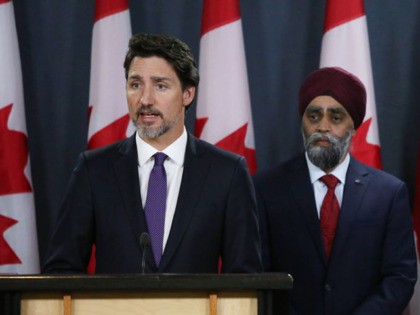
(327, 158)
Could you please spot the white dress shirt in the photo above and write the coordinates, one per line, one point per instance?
(174, 167)
(320, 189)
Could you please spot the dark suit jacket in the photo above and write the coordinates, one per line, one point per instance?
(372, 267)
(215, 215)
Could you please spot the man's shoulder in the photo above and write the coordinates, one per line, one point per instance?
(121, 146)
(375, 174)
(278, 170)
(204, 148)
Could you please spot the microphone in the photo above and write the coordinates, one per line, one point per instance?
(144, 244)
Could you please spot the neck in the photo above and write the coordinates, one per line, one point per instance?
(328, 171)
(164, 141)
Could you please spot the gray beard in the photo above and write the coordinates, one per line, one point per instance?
(148, 132)
(153, 132)
(327, 158)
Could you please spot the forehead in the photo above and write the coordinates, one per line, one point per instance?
(325, 103)
(156, 66)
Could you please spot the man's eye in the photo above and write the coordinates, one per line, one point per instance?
(313, 117)
(160, 86)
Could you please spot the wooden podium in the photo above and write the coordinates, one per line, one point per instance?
(154, 294)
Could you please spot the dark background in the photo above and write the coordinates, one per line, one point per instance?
(282, 41)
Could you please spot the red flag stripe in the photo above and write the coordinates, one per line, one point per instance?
(104, 8)
(4, 1)
(342, 11)
(214, 17)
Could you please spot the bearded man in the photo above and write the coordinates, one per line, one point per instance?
(194, 200)
(342, 229)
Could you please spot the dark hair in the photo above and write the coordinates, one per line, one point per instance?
(173, 50)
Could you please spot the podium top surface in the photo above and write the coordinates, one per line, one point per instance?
(147, 282)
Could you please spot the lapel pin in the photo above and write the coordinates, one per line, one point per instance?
(358, 182)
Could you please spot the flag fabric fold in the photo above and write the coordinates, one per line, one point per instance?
(345, 44)
(108, 116)
(18, 234)
(224, 116)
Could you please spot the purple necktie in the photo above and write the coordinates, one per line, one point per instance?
(156, 205)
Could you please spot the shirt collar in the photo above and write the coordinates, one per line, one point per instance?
(340, 171)
(175, 151)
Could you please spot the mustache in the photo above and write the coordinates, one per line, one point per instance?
(148, 110)
(322, 135)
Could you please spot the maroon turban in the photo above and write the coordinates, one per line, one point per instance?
(343, 86)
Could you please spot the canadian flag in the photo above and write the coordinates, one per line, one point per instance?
(109, 119)
(224, 115)
(18, 235)
(346, 44)
(108, 115)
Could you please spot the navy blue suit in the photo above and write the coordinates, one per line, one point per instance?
(215, 215)
(372, 267)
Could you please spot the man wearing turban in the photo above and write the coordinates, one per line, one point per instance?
(342, 229)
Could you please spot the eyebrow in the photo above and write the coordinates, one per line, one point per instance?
(134, 77)
(334, 110)
(337, 110)
(160, 79)
(313, 109)
(154, 78)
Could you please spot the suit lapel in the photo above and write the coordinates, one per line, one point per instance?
(357, 181)
(303, 193)
(126, 172)
(193, 177)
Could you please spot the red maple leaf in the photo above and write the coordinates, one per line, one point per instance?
(115, 131)
(234, 142)
(13, 157)
(363, 151)
(7, 255)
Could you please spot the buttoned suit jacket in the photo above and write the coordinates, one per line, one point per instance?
(215, 215)
(372, 267)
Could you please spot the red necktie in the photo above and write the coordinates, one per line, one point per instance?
(329, 212)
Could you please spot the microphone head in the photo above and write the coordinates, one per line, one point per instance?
(144, 240)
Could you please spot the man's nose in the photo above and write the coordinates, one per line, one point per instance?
(147, 97)
(324, 125)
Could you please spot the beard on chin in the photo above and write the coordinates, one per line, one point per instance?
(147, 131)
(150, 132)
(327, 158)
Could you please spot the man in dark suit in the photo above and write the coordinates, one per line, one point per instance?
(350, 249)
(207, 197)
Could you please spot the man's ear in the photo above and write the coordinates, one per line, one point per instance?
(188, 95)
